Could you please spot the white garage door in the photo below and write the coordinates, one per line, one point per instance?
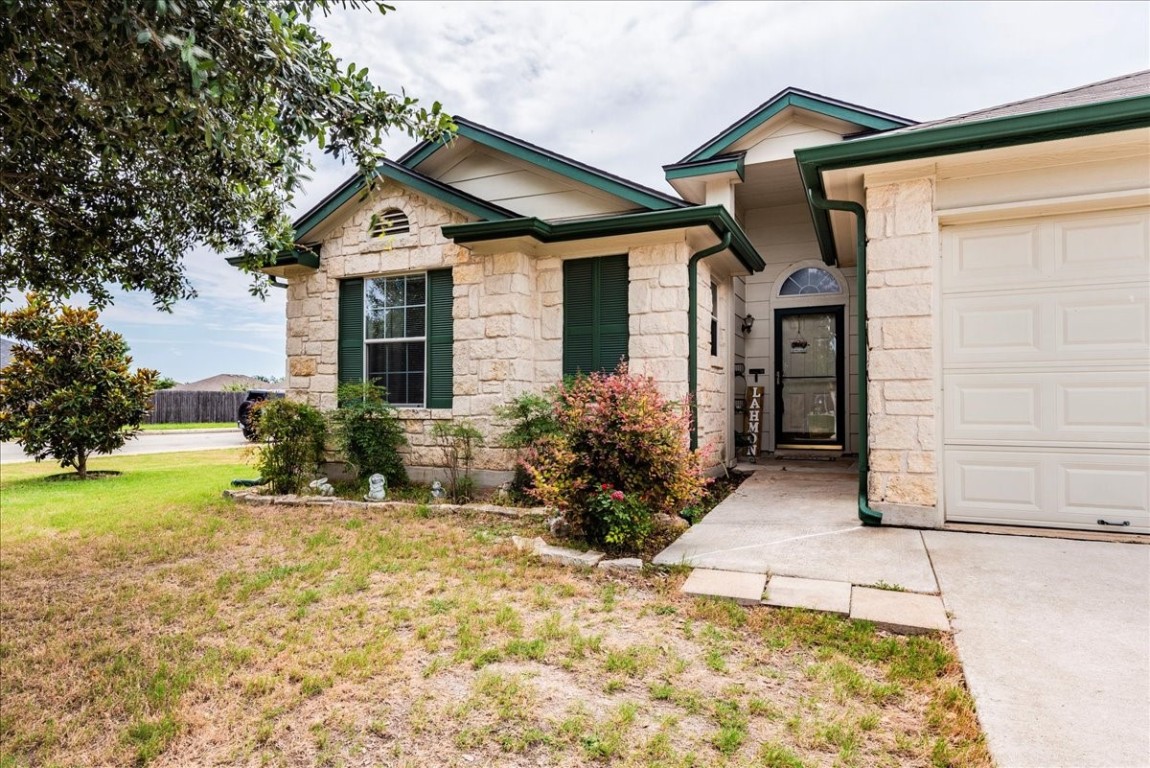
(1046, 371)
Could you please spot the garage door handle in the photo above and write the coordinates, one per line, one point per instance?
(1107, 522)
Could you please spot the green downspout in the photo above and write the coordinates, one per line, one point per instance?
(693, 330)
(868, 515)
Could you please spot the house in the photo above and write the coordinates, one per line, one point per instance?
(225, 382)
(964, 304)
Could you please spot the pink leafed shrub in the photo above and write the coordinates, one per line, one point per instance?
(616, 430)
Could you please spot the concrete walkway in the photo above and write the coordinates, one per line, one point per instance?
(1053, 634)
(803, 521)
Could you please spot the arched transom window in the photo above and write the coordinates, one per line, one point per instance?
(809, 280)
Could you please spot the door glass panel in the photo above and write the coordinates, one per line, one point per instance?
(808, 379)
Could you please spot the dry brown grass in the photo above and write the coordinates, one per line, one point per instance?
(266, 636)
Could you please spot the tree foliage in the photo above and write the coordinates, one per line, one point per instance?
(68, 391)
(136, 131)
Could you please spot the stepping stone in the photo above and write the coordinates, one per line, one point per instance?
(743, 588)
(622, 564)
(564, 556)
(815, 594)
(903, 612)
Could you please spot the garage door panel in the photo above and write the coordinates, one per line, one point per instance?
(1007, 486)
(1026, 254)
(978, 484)
(1112, 322)
(981, 256)
(1061, 325)
(1049, 407)
(1092, 246)
(992, 329)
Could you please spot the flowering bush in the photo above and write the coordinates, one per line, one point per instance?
(617, 519)
(616, 430)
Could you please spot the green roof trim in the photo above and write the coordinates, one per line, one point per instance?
(724, 164)
(869, 119)
(426, 185)
(641, 196)
(915, 144)
(298, 257)
(714, 216)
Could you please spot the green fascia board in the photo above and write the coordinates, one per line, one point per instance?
(1014, 130)
(725, 164)
(551, 161)
(714, 216)
(298, 257)
(793, 97)
(420, 183)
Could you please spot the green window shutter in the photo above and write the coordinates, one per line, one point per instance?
(613, 312)
(440, 337)
(351, 331)
(595, 314)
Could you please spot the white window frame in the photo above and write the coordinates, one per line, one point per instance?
(368, 341)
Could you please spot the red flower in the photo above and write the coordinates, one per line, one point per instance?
(617, 495)
(605, 487)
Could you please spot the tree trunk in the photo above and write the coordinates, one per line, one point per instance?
(82, 465)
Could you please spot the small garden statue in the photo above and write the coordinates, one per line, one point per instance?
(321, 486)
(376, 488)
(436, 490)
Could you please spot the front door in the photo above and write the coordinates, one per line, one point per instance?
(809, 399)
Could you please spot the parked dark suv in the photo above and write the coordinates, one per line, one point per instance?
(249, 414)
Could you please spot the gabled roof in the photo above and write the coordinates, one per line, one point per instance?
(389, 169)
(1122, 87)
(1108, 106)
(638, 194)
(868, 119)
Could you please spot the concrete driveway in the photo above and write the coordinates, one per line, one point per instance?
(1053, 634)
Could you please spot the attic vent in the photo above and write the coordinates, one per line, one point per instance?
(391, 222)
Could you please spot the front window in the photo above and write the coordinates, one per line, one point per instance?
(395, 336)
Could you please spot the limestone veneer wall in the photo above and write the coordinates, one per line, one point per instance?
(508, 323)
(902, 263)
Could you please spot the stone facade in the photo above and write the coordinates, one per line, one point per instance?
(902, 258)
(507, 311)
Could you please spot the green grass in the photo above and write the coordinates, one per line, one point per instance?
(147, 619)
(154, 491)
(190, 425)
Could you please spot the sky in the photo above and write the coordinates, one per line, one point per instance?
(629, 87)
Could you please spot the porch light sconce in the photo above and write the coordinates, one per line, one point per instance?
(748, 324)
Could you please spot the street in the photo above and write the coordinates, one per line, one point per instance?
(154, 442)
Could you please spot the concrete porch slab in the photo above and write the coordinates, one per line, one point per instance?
(903, 612)
(743, 588)
(813, 594)
(802, 524)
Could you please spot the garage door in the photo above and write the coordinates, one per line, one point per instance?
(1046, 371)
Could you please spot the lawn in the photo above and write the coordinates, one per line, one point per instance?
(148, 621)
(189, 425)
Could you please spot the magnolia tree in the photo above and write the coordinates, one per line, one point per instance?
(134, 132)
(68, 391)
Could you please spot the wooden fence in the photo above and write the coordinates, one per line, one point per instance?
(176, 407)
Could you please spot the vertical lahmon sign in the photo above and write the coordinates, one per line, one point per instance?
(753, 422)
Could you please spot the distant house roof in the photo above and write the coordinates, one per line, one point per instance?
(222, 382)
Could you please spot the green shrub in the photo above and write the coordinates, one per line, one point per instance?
(617, 430)
(532, 422)
(458, 441)
(293, 436)
(368, 432)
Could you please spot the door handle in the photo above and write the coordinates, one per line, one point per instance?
(1122, 524)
